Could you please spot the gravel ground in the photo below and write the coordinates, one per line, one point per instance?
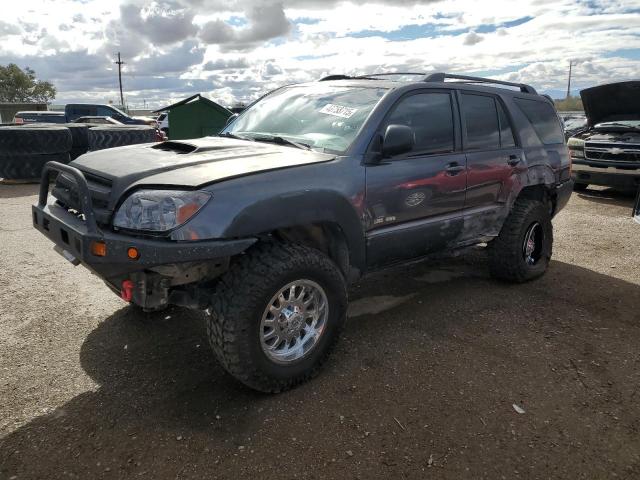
(423, 384)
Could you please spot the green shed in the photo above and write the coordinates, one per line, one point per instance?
(195, 117)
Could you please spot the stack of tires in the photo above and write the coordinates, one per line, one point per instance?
(25, 150)
(110, 136)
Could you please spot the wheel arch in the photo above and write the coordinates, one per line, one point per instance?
(324, 220)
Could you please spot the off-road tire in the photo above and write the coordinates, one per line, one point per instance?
(506, 259)
(103, 137)
(35, 140)
(580, 187)
(27, 167)
(240, 299)
(79, 135)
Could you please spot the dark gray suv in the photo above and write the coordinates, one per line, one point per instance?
(311, 187)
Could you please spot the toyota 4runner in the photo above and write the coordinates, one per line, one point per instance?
(314, 185)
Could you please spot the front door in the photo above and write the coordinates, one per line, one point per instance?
(414, 200)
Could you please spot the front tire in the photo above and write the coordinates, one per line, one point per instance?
(276, 315)
(523, 248)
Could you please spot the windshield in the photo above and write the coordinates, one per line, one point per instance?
(322, 116)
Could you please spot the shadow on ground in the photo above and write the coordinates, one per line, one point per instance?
(17, 191)
(608, 196)
(427, 384)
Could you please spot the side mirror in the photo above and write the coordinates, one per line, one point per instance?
(231, 119)
(397, 139)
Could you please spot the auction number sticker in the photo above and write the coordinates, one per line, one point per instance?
(338, 110)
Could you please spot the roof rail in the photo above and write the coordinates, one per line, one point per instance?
(441, 77)
(389, 74)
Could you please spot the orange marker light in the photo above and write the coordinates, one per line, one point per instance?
(99, 249)
(132, 253)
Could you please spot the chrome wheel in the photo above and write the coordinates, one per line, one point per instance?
(294, 321)
(532, 245)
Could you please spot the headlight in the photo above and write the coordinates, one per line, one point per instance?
(159, 210)
(575, 143)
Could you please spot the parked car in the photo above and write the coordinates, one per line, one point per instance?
(98, 120)
(77, 110)
(39, 117)
(265, 225)
(607, 152)
(163, 122)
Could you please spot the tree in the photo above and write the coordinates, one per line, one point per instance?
(570, 104)
(21, 86)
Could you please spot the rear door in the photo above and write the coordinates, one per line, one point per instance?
(411, 198)
(490, 147)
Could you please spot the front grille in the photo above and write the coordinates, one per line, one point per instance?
(66, 192)
(612, 152)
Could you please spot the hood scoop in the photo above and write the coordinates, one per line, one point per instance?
(177, 147)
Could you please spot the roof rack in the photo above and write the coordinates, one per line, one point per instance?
(441, 77)
(368, 77)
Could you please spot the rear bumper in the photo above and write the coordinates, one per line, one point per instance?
(563, 193)
(607, 176)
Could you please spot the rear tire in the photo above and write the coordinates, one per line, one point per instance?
(523, 248)
(243, 341)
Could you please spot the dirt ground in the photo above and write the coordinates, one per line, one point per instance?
(423, 384)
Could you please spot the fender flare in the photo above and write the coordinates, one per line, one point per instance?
(302, 209)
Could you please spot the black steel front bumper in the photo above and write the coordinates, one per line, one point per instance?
(76, 235)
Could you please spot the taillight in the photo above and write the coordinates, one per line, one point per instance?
(18, 120)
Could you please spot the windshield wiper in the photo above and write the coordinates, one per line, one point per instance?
(282, 141)
(234, 136)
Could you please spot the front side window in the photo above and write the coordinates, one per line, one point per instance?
(321, 116)
(430, 116)
(543, 118)
(481, 121)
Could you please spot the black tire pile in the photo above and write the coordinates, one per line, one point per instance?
(25, 149)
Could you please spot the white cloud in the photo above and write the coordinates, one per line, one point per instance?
(177, 47)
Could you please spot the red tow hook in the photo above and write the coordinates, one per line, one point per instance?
(126, 293)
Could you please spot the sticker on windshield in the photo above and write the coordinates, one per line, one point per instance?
(338, 110)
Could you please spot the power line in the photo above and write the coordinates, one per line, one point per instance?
(120, 63)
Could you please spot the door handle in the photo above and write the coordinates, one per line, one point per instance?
(513, 160)
(454, 168)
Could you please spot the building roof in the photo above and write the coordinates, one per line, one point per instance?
(196, 97)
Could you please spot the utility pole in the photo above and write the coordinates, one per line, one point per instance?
(120, 63)
(571, 64)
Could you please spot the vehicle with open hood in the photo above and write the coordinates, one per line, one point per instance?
(607, 152)
(264, 226)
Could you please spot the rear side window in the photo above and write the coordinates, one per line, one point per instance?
(481, 120)
(430, 116)
(506, 134)
(543, 118)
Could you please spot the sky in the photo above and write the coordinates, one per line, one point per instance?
(236, 50)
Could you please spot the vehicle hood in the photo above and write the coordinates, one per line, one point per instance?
(191, 163)
(611, 102)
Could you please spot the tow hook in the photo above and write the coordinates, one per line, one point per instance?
(126, 292)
